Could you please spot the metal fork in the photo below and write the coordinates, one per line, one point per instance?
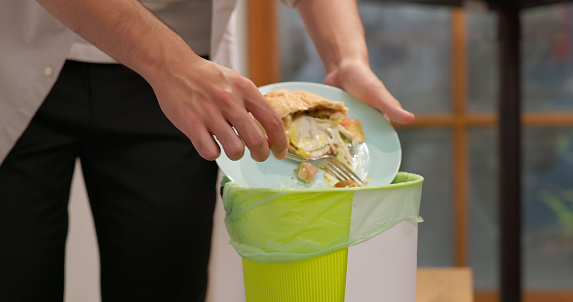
(329, 164)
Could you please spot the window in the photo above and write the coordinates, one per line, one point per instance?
(448, 58)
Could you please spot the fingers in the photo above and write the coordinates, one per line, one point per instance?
(391, 108)
(269, 119)
(232, 144)
(241, 110)
(249, 128)
(252, 136)
(376, 95)
(204, 142)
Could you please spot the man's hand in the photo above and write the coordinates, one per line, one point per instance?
(358, 79)
(338, 35)
(203, 99)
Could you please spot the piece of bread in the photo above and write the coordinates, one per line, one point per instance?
(287, 102)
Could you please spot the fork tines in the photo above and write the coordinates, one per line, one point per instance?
(341, 171)
(331, 165)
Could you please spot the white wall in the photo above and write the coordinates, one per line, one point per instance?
(82, 257)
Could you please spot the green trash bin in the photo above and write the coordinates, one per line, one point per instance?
(294, 242)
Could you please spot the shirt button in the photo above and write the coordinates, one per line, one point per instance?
(48, 71)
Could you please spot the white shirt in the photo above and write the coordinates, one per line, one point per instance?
(34, 46)
(191, 19)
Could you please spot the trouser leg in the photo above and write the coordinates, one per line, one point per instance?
(34, 190)
(152, 195)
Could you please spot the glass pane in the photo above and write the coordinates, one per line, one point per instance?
(428, 152)
(299, 60)
(483, 70)
(409, 46)
(547, 64)
(548, 208)
(483, 199)
(548, 58)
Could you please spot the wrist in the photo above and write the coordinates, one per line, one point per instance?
(165, 60)
(345, 56)
(336, 73)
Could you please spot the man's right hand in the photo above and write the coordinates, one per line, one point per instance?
(206, 100)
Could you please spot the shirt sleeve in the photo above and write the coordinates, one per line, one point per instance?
(290, 3)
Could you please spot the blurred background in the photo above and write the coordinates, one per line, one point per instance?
(442, 64)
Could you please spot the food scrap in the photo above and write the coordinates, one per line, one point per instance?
(306, 172)
(316, 126)
(347, 184)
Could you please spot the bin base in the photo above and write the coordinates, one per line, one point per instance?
(321, 279)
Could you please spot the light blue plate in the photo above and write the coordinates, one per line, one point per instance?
(378, 159)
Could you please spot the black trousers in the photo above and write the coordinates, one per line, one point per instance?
(151, 195)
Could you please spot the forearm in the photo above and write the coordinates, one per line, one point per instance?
(336, 29)
(125, 30)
